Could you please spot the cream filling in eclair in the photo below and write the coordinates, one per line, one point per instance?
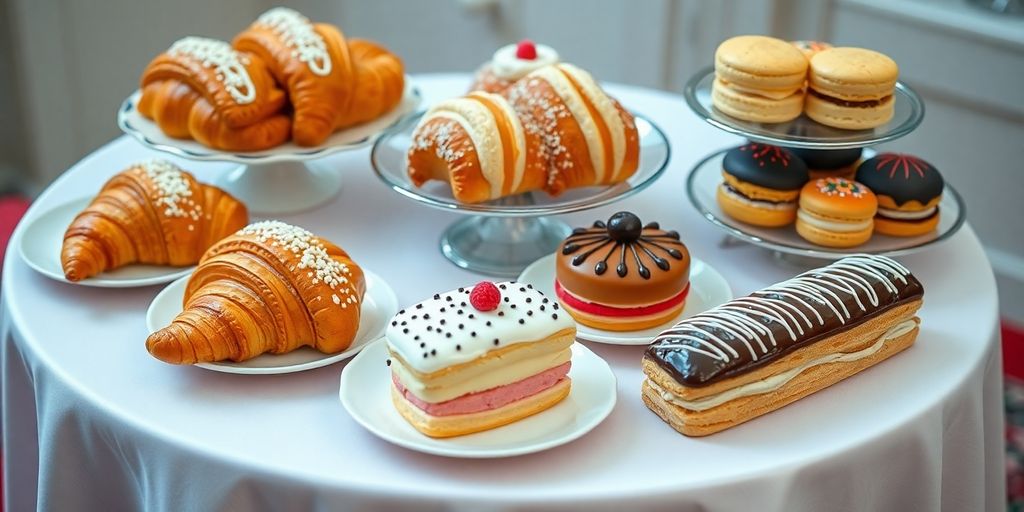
(838, 227)
(500, 376)
(507, 66)
(766, 205)
(470, 113)
(779, 380)
(902, 215)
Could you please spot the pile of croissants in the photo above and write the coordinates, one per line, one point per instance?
(283, 78)
(260, 288)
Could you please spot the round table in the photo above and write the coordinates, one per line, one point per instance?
(91, 421)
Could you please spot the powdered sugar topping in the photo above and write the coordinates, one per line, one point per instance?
(227, 63)
(173, 190)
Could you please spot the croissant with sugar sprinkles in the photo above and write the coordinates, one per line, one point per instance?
(333, 82)
(203, 89)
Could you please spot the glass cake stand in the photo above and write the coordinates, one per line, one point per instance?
(502, 237)
(703, 181)
(285, 179)
(804, 132)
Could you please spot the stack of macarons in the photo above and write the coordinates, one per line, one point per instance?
(768, 80)
(832, 204)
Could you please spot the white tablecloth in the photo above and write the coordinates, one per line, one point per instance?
(91, 421)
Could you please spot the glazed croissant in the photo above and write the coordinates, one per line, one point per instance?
(271, 287)
(551, 130)
(332, 82)
(203, 89)
(152, 212)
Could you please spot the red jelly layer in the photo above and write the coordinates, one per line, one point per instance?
(594, 308)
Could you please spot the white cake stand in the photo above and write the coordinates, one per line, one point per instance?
(504, 236)
(284, 179)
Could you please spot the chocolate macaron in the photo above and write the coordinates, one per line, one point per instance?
(851, 88)
(761, 184)
(830, 163)
(908, 189)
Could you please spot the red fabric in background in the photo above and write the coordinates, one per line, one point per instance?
(1013, 350)
(11, 210)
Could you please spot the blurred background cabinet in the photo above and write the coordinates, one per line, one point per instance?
(68, 65)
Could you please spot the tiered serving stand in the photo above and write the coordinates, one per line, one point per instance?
(503, 237)
(804, 132)
(285, 179)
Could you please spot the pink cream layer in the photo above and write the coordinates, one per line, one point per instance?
(489, 399)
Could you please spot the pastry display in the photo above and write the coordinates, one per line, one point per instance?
(477, 358)
(203, 89)
(761, 184)
(755, 354)
(553, 129)
(851, 88)
(153, 213)
(836, 212)
(333, 82)
(908, 190)
(510, 63)
(830, 163)
(759, 79)
(623, 275)
(810, 48)
(269, 288)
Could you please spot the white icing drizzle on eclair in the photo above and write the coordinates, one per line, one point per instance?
(296, 31)
(747, 318)
(777, 381)
(313, 258)
(447, 330)
(228, 64)
(173, 190)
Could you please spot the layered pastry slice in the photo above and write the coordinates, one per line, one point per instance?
(755, 354)
(478, 358)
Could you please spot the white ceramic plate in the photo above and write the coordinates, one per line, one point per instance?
(366, 394)
(379, 305)
(148, 133)
(707, 289)
(41, 243)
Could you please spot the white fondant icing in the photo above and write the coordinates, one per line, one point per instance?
(507, 66)
(446, 344)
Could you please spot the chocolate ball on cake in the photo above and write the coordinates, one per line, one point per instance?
(761, 184)
(908, 190)
(622, 275)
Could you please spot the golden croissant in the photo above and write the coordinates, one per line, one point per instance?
(152, 212)
(270, 288)
(332, 82)
(203, 89)
(551, 130)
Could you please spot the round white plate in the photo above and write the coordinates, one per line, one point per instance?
(707, 289)
(366, 394)
(149, 134)
(379, 305)
(41, 243)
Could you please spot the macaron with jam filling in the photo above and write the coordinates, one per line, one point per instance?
(836, 212)
(909, 190)
(761, 184)
(830, 163)
(759, 79)
(851, 88)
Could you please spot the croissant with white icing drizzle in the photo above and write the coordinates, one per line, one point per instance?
(333, 82)
(269, 288)
(202, 89)
(152, 212)
(551, 130)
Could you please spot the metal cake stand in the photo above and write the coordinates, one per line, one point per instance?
(284, 179)
(502, 237)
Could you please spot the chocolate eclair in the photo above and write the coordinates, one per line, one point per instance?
(622, 275)
(755, 354)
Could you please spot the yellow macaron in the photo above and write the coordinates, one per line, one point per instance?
(759, 78)
(851, 88)
(836, 212)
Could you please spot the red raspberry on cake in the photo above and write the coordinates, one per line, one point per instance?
(485, 296)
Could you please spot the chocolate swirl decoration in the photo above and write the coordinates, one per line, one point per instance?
(752, 331)
(624, 234)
